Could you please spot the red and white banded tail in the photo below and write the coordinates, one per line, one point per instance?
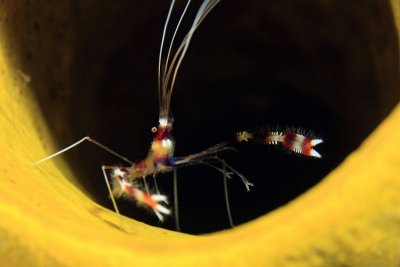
(290, 140)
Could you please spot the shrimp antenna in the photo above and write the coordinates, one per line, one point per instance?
(161, 49)
(167, 84)
(173, 38)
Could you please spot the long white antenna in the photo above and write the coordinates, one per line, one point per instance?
(173, 68)
(203, 11)
(172, 41)
(161, 50)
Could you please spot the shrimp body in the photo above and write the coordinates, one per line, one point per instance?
(159, 159)
(130, 181)
(160, 156)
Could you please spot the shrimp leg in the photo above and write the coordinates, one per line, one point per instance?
(86, 138)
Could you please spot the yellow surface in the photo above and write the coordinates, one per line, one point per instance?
(352, 218)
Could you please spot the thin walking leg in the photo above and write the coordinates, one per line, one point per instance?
(231, 171)
(177, 224)
(104, 168)
(145, 185)
(86, 138)
(228, 208)
(155, 184)
(246, 182)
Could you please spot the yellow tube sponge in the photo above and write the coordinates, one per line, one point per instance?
(351, 218)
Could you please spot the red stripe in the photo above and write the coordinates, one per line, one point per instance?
(289, 140)
(306, 147)
(149, 201)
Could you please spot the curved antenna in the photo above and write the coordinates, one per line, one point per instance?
(173, 39)
(205, 8)
(167, 86)
(161, 50)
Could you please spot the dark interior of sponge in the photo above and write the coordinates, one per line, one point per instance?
(329, 68)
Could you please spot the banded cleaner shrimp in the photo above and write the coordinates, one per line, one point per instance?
(130, 181)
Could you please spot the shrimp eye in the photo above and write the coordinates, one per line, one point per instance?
(154, 129)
